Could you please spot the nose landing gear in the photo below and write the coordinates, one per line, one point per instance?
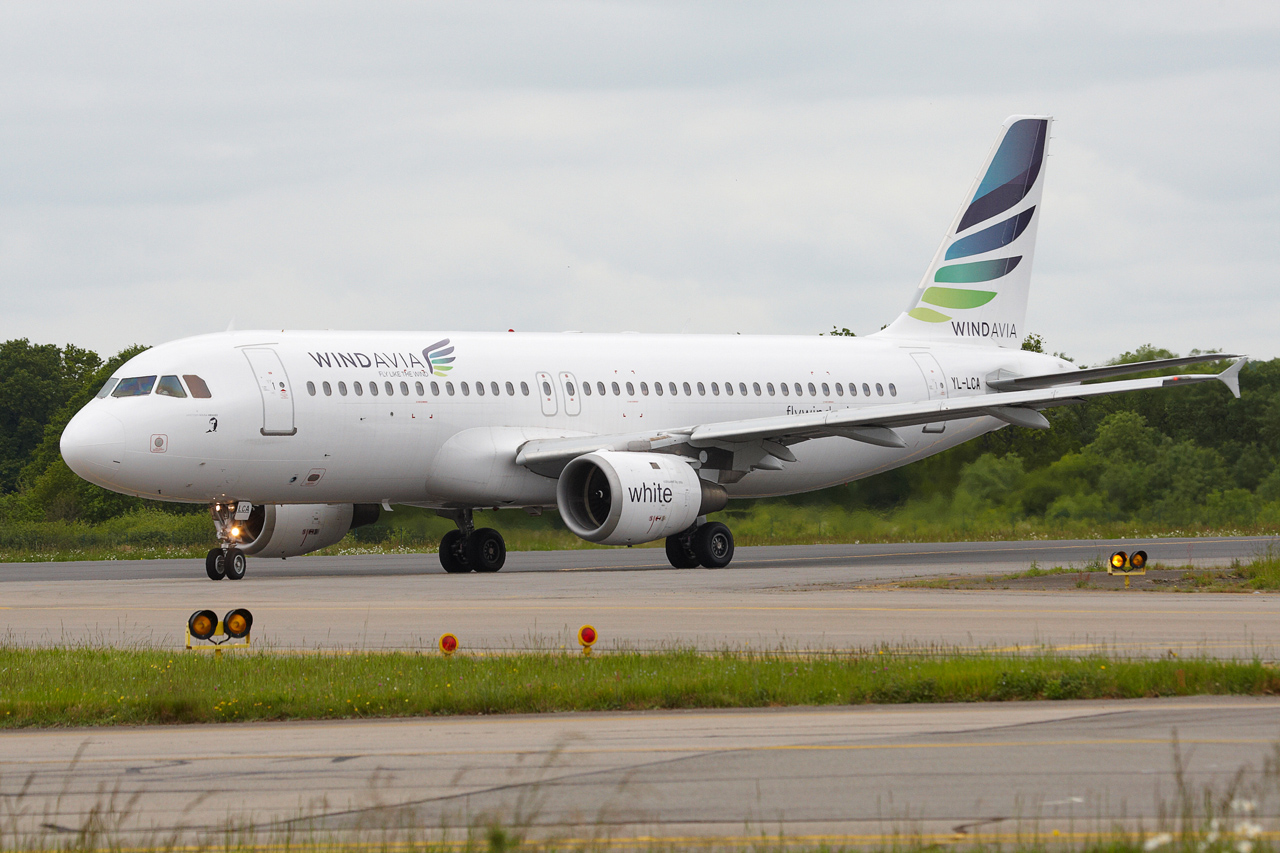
(225, 561)
(468, 549)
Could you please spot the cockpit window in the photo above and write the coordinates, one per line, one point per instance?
(169, 386)
(106, 389)
(197, 386)
(135, 386)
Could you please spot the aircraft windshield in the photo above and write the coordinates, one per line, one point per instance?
(135, 386)
(106, 388)
(197, 385)
(169, 386)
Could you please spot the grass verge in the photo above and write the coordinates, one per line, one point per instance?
(101, 687)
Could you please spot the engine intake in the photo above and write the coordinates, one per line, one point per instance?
(291, 530)
(619, 498)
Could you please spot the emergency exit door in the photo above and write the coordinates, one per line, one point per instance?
(277, 394)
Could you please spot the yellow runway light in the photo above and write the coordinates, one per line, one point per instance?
(237, 623)
(202, 624)
(1138, 559)
(1118, 559)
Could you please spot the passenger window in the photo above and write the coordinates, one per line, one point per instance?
(404, 388)
(688, 392)
(826, 390)
(524, 388)
(328, 389)
(786, 389)
(106, 389)
(311, 387)
(618, 391)
(742, 386)
(448, 388)
(373, 389)
(568, 387)
(853, 390)
(586, 389)
(342, 388)
(493, 386)
(728, 388)
(715, 389)
(169, 386)
(631, 390)
(671, 386)
(479, 389)
(657, 388)
(198, 389)
(702, 392)
(839, 390)
(813, 392)
(358, 388)
(799, 390)
(755, 386)
(391, 389)
(136, 386)
(435, 389)
(879, 390)
(866, 390)
(417, 386)
(893, 390)
(600, 388)
(511, 390)
(466, 389)
(769, 386)
(546, 389)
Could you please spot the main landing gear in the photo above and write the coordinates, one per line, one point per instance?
(470, 550)
(708, 545)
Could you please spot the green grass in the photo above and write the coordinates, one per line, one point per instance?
(98, 687)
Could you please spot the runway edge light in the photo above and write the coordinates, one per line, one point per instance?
(448, 644)
(587, 637)
(204, 626)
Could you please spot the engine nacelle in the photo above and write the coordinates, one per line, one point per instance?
(291, 530)
(618, 498)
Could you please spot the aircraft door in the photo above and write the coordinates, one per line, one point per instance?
(935, 380)
(572, 402)
(547, 391)
(277, 393)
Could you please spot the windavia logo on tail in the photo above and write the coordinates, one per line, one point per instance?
(976, 287)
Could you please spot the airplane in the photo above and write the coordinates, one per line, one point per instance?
(294, 438)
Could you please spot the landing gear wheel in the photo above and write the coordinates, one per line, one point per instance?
(713, 543)
(233, 564)
(213, 565)
(453, 553)
(486, 552)
(680, 551)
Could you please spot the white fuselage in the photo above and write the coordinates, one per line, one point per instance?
(282, 438)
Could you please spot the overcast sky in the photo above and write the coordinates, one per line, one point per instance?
(773, 167)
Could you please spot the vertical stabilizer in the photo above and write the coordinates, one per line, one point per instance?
(975, 291)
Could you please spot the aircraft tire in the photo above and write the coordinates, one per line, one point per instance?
(713, 543)
(233, 564)
(486, 550)
(213, 565)
(680, 552)
(452, 554)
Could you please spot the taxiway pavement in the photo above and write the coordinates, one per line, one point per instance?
(860, 774)
(797, 598)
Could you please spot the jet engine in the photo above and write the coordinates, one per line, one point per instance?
(620, 498)
(290, 530)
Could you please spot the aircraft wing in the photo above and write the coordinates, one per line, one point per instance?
(762, 442)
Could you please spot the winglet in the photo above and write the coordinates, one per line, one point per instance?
(1231, 376)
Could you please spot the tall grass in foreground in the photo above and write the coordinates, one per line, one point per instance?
(97, 687)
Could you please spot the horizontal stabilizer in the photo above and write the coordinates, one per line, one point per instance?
(1071, 377)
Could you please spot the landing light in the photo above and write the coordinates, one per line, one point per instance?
(235, 533)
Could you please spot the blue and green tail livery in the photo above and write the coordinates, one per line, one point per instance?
(976, 288)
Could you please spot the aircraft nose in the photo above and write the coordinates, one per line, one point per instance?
(93, 444)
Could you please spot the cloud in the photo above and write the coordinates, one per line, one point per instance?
(658, 167)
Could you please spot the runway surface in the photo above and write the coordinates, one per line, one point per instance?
(840, 774)
(797, 598)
